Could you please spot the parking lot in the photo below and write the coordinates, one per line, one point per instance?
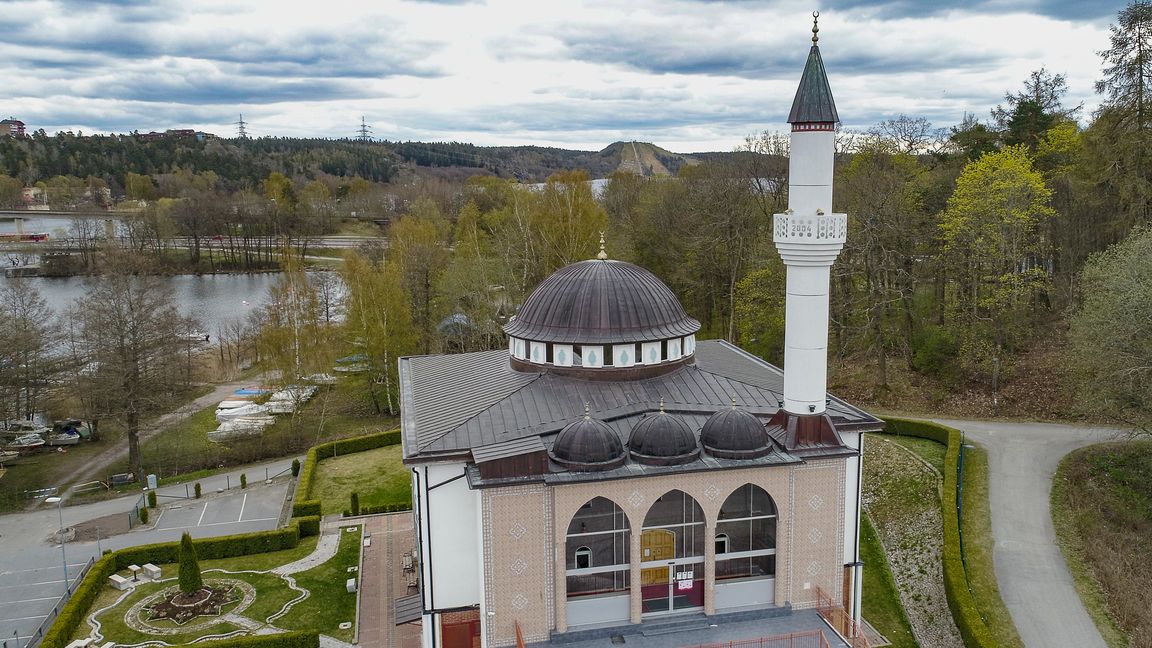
(31, 568)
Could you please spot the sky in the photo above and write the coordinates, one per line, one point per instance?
(688, 75)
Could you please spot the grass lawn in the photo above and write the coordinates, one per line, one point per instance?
(882, 606)
(331, 603)
(927, 449)
(1102, 511)
(978, 544)
(46, 469)
(377, 475)
(328, 605)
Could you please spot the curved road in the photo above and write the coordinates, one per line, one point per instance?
(1034, 580)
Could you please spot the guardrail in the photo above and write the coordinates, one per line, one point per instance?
(51, 618)
(842, 622)
(808, 639)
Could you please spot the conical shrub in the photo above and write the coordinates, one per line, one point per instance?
(190, 580)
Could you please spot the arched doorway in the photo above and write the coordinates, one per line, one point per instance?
(746, 549)
(672, 555)
(596, 564)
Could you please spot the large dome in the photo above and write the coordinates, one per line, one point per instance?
(601, 301)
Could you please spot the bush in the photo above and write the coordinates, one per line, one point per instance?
(197, 490)
(355, 503)
(302, 639)
(309, 525)
(152, 499)
(243, 480)
(934, 353)
(963, 606)
(295, 467)
(305, 508)
(143, 515)
(190, 580)
(393, 507)
(336, 448)
(212, 548)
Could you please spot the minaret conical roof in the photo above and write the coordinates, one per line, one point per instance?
(813, 102)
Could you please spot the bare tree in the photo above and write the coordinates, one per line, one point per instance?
(131, 338)
(28, 340)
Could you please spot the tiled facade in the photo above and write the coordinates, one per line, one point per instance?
(524, 529)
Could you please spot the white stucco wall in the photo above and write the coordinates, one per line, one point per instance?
(450, 515)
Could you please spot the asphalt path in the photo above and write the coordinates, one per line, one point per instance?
(1030, 569)
(31, 565)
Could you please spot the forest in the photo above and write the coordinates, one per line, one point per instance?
(996, 266)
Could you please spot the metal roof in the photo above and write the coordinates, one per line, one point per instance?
(813, 103)
(601, 301)
(513, 448)
(453, 403)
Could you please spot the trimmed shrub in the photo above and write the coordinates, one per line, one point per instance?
(295, 467)
(152, 499)
(393, 507)
(243, 480)
(355, 504)
(197, 490)
(305, 508)
(143, 515)
(309, 525)
(190, 580)
(301, 639)
(960, 601)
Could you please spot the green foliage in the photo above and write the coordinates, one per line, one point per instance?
(197, 490)
(243, 480)
(190, 579)
(355, 507)
(152, 498)
(295, 467)
(309, 525)
(394, 507)
(934, 351)
(965, 610)
(143, 515)
(299, 639)
(882, 605)
(303, 508)
(760, 312)
(1110, 341)
(73, 612)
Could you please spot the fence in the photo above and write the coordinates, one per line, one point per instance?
(51, 618)
(841, 621)
(809, 639)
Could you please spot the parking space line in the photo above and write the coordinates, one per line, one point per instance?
(221, 523)
(33, 600)
(24, 571)
(243, 503)
(38, 616)
(201, 516)
(58, 580)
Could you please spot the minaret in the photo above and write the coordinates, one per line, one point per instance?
(809, 237)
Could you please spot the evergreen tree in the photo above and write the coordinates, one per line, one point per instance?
(190, 580)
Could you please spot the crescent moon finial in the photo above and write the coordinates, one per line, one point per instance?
(815, 26)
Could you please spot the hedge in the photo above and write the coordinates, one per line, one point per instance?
(382, 508)
(960, 601)
(74, 611)
(333, 449)
(305, 508)
(309, 525)
(302, 639)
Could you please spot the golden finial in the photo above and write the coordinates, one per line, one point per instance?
(587, 411)
(733, 401)
(602, 255)
(661, 404)
(815, 26)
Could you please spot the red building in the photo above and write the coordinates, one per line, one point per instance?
(11, 126)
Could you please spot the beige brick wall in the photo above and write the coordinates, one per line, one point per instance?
(525, 527)
(517, 528)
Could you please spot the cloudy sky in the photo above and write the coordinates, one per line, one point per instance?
(687, 75)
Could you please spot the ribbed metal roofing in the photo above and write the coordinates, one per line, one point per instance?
(813, 103)
(601, 302)
(663, 439)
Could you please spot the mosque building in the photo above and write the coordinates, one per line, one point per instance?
(610, 473)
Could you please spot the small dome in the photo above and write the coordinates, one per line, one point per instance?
(587, 444)
(601, 301)
(663, 440)
(733, 433)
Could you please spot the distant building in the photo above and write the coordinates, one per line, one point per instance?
(11, 127)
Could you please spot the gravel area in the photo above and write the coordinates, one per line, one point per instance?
(901, 496)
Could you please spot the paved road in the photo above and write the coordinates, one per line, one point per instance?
(1034, 580)
(31, 568)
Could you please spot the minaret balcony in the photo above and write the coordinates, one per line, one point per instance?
(809, 239)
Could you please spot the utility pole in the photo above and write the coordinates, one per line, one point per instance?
(364, 132)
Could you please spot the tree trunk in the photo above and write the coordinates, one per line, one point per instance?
(133, 423)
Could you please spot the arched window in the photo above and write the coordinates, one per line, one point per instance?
(597, 544)
(748, 523)
(672, 561)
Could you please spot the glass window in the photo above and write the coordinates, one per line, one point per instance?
(597, 549)
(677, 519)
(748, 523)
(583, 558)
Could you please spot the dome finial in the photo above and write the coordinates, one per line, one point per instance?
(587, 411)
(661, 404)
(602, 255)
(815, 26)
(733, 401)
